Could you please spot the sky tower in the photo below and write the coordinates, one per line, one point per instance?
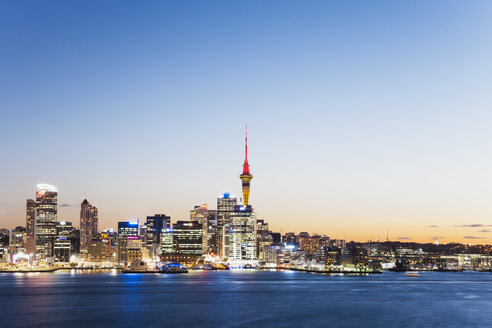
(246, 176)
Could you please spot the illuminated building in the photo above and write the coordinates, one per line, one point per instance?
(99, 250)
(188, 260)
(246, 175)
(208, 219)
(263, 238)
(167, 241)
(154, 226)
(30, 226)
(45, 222)
(281, 255)
(129, 244)
(187, 237)
(225, 205)
(17, 239)
(129, 250)
(62, 244)
(127, 229)
(242, 234)
(88, 223)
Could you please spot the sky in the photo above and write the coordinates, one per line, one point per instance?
(366, 119)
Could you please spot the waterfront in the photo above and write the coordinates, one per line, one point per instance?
(245, 298)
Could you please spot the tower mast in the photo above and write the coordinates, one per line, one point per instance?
(246, 175)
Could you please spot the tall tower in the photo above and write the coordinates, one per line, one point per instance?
(246, 176)
(88, 223)
(45, 222)
(30, 226)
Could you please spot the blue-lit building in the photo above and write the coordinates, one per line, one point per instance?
(154, 226)
(127, 229)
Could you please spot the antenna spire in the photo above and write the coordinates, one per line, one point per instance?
(246, 143)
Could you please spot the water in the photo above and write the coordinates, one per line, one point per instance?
(244, 299)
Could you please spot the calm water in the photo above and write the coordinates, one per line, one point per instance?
(245, 299)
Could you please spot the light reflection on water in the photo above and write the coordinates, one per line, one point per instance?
(82, 298)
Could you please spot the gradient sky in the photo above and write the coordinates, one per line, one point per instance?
(363, 116)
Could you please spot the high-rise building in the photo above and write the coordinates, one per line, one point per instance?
(208, 219)
(62, 245)
(167, 241)
(45, 222)
(154, 227)
(263, 238)
(225, 205)
(129, 244)
(30, 226)
(129, 250)
(17, 240)
(242, 232)
(187, 237)
(88, 223)
(127, 229)
(75, 241)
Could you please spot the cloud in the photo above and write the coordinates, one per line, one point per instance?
(439, 237)
(476, 225)
(432, 226)
(484, 230)
(4, 203)
(65, 205)
(472, 237)
(403, 238)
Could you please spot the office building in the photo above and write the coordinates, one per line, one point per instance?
(45, 221)
(167, 241)
(208, 219)
(187, 237)
(154, 227)
(242, 249)
(225, 205)
(127, 229)
(62, 245)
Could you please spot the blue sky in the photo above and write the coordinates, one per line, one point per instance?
(363, 116)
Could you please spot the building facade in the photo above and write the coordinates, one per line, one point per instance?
(88, 223)
(30, 226)
(187, 237)
(154, 227)
(45, 220)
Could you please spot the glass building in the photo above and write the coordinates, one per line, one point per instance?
(225, 205)
(187, 237)
(45, 222)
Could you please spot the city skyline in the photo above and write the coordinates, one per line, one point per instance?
(357, 125)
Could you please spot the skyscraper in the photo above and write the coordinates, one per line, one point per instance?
(45, 222)
(225, 205)
(88, 223)
(154, 227)
(208, 219)
(187, 237)
(62, 243)
(246, 176)
(30, 226)
(242, 232)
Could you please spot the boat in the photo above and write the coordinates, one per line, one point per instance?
(171, 267)
(412, 274)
